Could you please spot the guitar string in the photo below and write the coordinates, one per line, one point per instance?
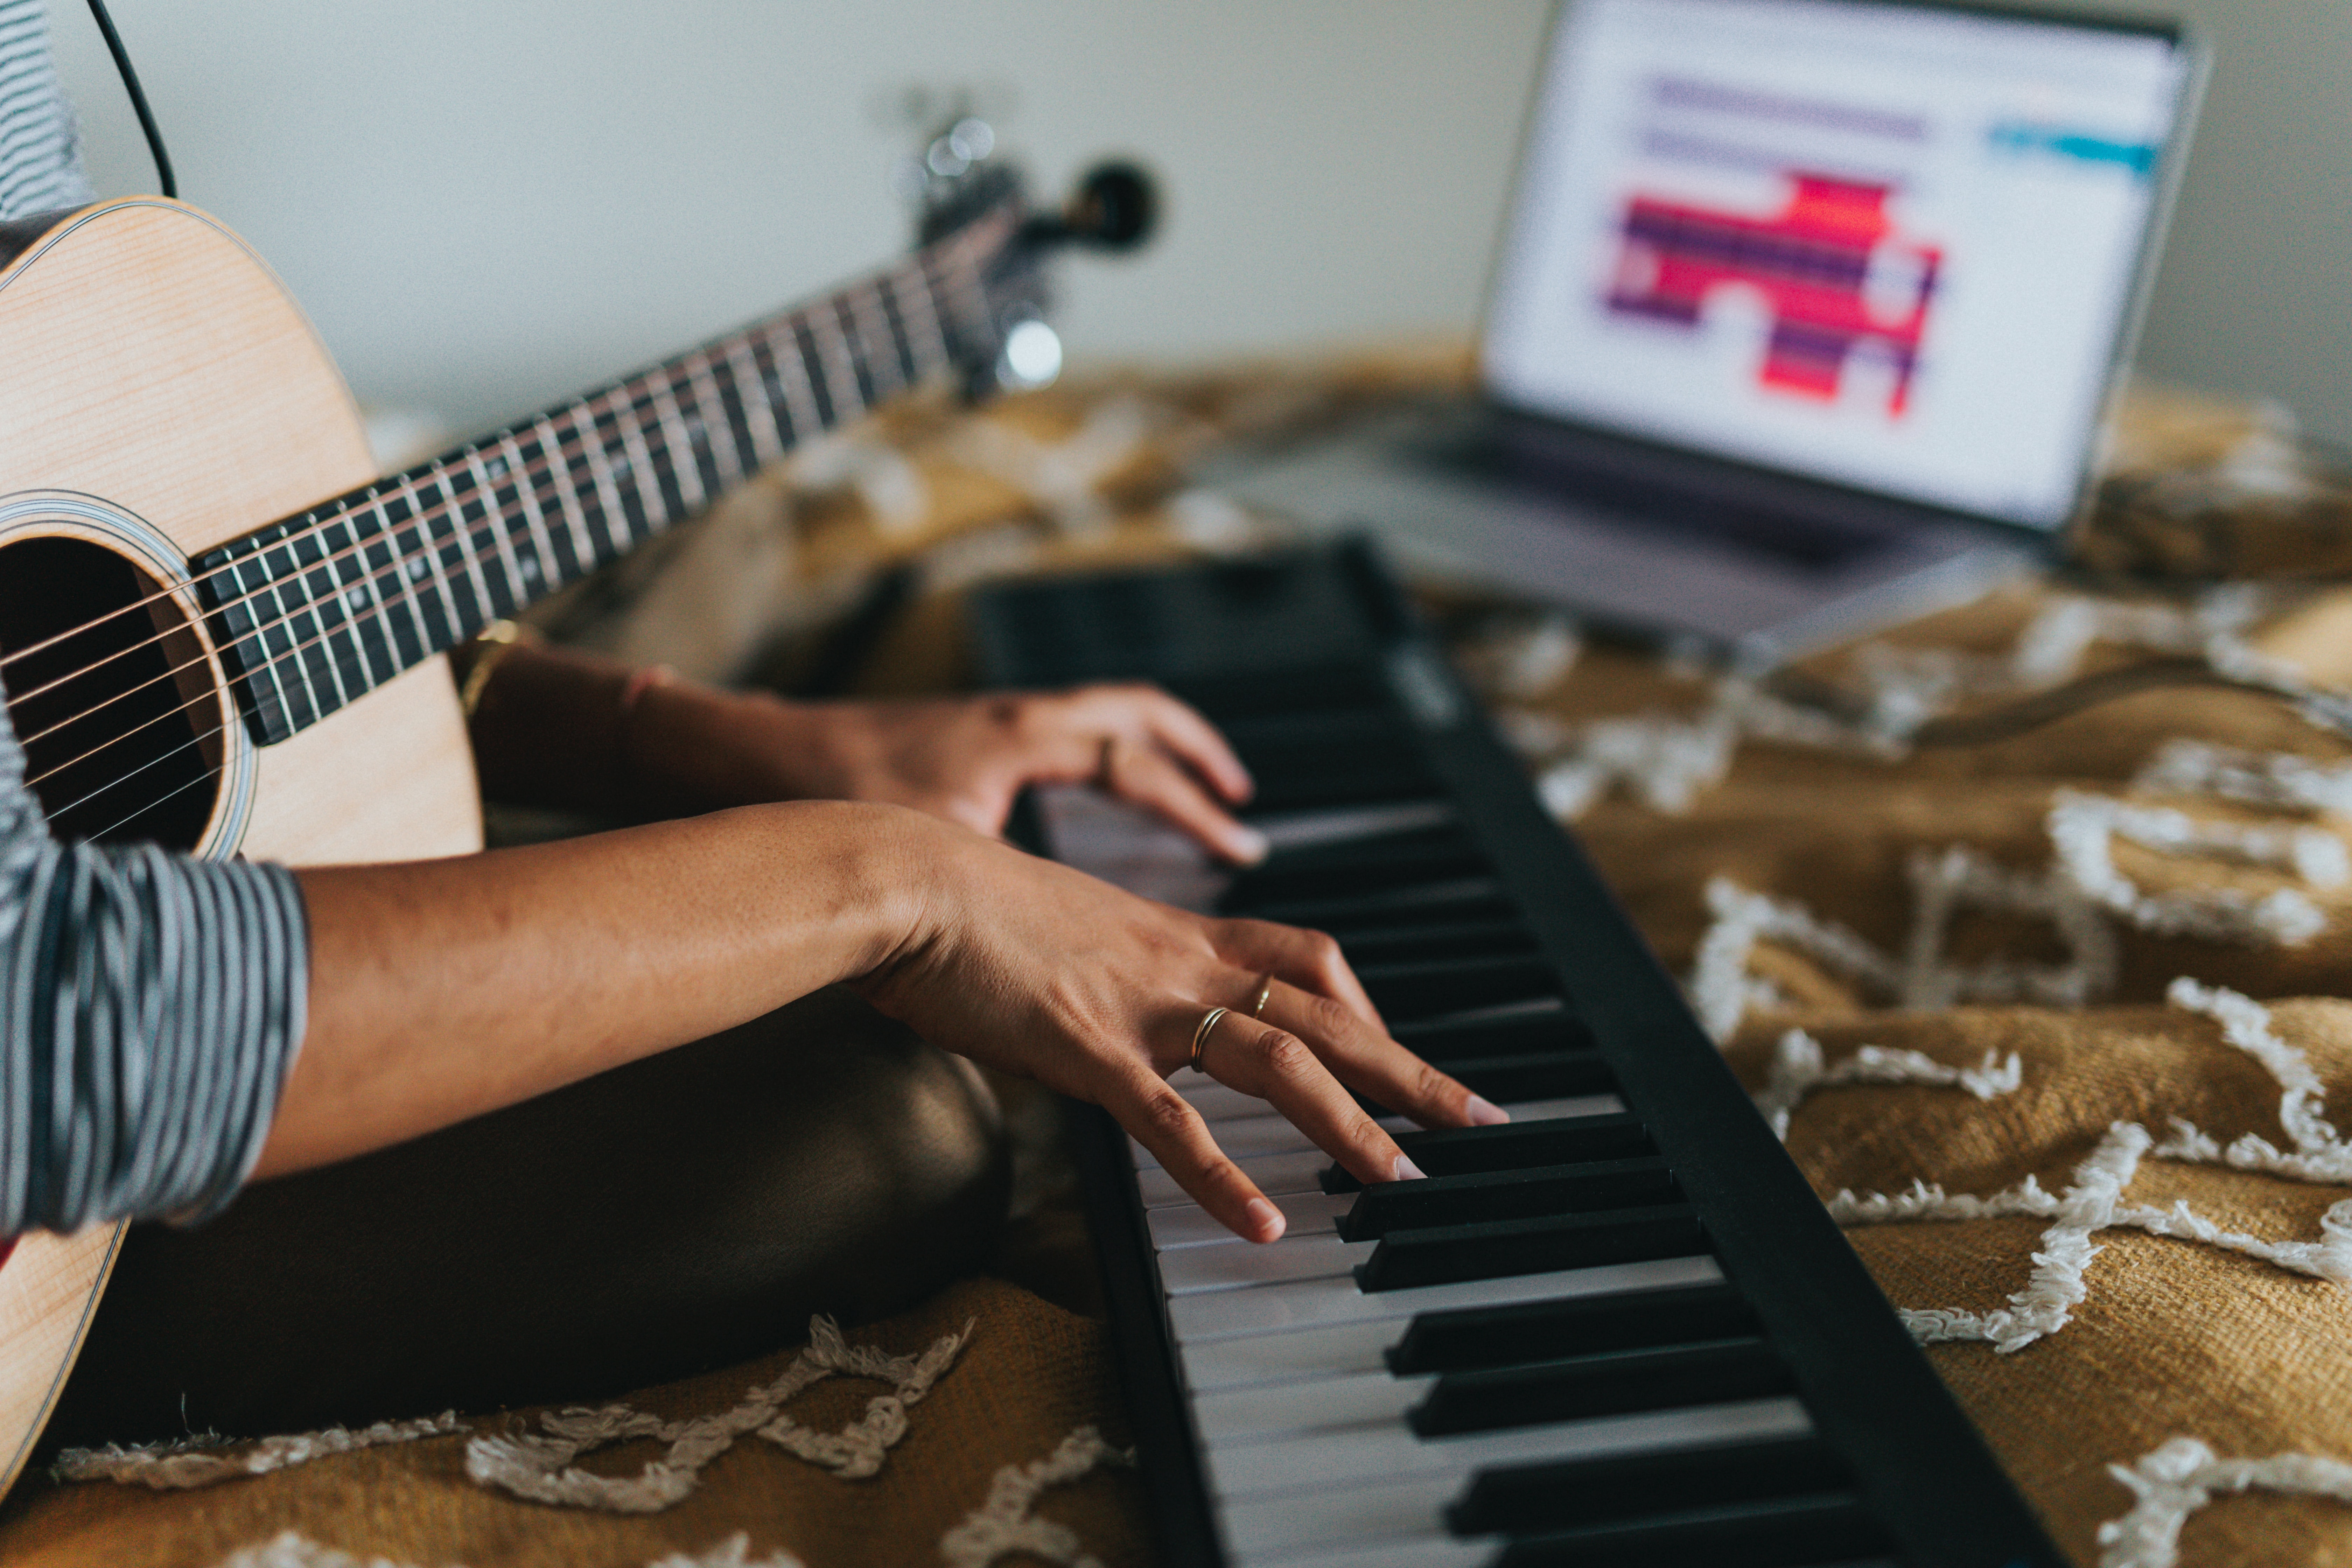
(947, 258)
(468, 540)
(967, 285)
(471, 540)
(601, 404)
(942, 256)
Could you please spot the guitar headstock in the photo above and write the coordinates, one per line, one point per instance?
(962, 185)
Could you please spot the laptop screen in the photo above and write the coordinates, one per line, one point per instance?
(1889, 246)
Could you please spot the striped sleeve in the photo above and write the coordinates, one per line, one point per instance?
(151, 1006)
(40, 156)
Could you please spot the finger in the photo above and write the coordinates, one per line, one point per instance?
(1281, 1068)
(1306, 959)
(1159, 1119)
(1151, 717)
(1179, 727)
(1368, 1061)
(1152, 780)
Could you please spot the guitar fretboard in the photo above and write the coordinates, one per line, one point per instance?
(314, 611)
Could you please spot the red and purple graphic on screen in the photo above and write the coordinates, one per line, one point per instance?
(1837, 280)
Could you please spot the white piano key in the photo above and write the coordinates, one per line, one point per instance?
(1277, 1175)
(1390, 1512)
(1315, 1461)
(1253, 1135)
(1428, 1549)
(1188, 1270)
(1190, 1224)
(1341, 824)
(1274, 1410)
(1308, 1303)
(1297, 1356)
(1217, 1101)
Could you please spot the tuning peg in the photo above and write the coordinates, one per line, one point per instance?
(1114, 207)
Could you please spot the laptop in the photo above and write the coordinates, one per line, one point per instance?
(1806, 318)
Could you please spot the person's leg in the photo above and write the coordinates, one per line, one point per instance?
(674, 1214)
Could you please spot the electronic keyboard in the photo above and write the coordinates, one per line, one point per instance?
(1619, 1329)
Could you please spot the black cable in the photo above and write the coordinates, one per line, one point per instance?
(138, 99)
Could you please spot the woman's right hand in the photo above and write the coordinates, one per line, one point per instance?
(1047, 972)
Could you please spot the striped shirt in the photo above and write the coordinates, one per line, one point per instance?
(150, 1003)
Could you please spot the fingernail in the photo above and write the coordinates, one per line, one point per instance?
(1246, 844)
(1266, 1219)
(1406, 1171)
(1484, 1113)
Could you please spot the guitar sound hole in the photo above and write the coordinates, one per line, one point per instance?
(111, 696)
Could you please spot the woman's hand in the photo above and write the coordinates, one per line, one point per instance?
(963, 759)
(563, 727)
(1044, 972)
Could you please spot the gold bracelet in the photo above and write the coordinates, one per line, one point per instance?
(502, 636)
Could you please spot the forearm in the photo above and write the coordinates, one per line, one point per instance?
(563, 727)
(445, 989)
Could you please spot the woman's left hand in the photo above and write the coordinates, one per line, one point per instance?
(963, 759)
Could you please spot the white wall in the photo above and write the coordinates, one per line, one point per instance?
(490, 204)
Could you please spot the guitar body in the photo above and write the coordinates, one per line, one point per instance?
(164, 396)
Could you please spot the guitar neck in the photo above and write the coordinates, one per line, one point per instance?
(315, 611)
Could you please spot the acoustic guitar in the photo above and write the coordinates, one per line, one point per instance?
(222, 631)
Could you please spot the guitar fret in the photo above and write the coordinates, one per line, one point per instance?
(468, 595)
(384, 557)
(972, 328)
(493, 588)
(931, 347)
(419, 563)
(609, 505)
(371, 662)
(790, 370)
(567, 496)
(836, 370)
(859, 355)
(760, 431)
(878, 340)
(512, 594)
(317, 649)
(624, 463)
(546, 562)
(710, 400)
(677, 439)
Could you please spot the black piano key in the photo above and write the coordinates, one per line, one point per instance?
(1446, 1255)
(1782, 1533)
(1432, 856)
(1562, 1494)
(1607, 1383)
(1554, 1075)
(1469, 898)
(1591, 1186)
(1427, 939)
(1233, 700)
(1433, 987)
(1514, 1146)
(1466, 1338)
(1532, 1034)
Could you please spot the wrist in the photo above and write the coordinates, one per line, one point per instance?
(884, 871)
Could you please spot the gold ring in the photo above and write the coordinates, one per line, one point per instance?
(1200, 1035)
(1265, 995)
